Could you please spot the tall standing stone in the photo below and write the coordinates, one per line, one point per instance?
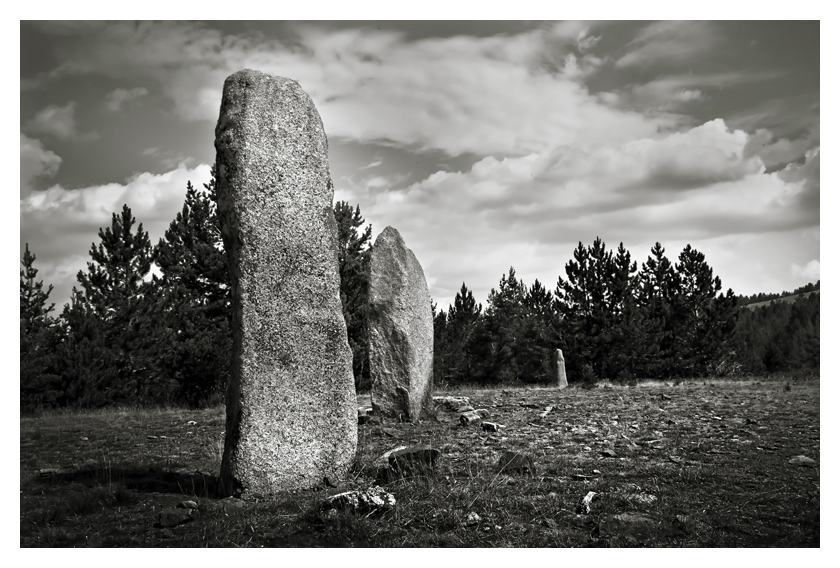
(558, 366)
(400, 331)
(291, 405)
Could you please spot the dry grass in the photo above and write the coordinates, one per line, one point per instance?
(707, 461)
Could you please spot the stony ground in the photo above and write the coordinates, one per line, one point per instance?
(708, 464)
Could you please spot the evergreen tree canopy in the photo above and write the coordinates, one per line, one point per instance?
(113, 328)
(354, 268)
(194, 293)
(39, 339)
(34, 310)
(593, 303)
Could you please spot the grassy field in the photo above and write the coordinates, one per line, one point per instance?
(698, 464)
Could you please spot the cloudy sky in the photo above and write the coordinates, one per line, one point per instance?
(486, 144)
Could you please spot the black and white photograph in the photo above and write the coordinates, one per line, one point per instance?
(439, 283)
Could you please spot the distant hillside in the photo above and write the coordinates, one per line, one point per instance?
(759, 300)
(785, 299)
(782, 336)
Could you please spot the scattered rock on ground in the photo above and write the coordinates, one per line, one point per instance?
(468, 418)
(633, 526)
(48, 471)
(174, 516)
(585, 503)
(415, 460)
(491, 426)
(514, 462)
(473, 519)
(609, 453)
(803, 461)
(226, 505)
(680, 524)
(369, 501)
(642, 498)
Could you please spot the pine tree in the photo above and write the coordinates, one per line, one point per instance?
(600, 326)
(704, 320)
(39, 337)
(33, 299)
(126, 330)
(461, 321)
(438, 357)
(539, 336)
(354, 269)
(658, 288)
(503, 322)
(195, 293)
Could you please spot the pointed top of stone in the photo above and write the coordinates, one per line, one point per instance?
(400, 330)
(390, 234)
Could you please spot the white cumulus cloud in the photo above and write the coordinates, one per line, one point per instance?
(530, 211)
(61, 224)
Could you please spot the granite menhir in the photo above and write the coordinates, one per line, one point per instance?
(558, 366)
(400, 331)
(291, 404)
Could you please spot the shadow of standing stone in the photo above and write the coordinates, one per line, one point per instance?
(400, 331)
(291, 405)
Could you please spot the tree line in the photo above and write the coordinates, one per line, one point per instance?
(612, 319)
(131, 335)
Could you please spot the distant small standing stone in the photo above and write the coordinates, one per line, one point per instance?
(558, 366)
(400, 331)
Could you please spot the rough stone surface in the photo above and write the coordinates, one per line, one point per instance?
(471, 417)
(415, 460)
(803, 461)
(372, 500)
(491, 426)
(558, 367)
(291, 405)
(400, 331)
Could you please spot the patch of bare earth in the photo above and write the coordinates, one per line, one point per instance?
(694, 465)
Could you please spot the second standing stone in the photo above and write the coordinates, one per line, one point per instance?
(400, 331)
